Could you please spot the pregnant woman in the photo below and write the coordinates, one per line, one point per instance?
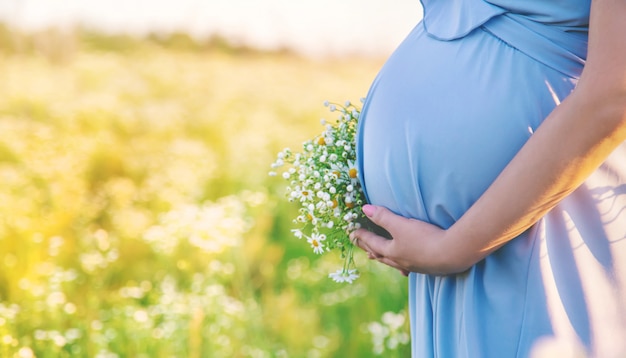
(491, 149)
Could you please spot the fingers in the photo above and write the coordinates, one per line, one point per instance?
(391, 263)
(376, 246)
(370, 242)
(378, 215)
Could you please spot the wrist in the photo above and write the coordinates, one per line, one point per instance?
(452, 255)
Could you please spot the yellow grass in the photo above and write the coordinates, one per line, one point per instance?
(136, 214)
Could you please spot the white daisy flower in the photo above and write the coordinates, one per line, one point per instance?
(316, 244)
(297, 233)
(344, 275)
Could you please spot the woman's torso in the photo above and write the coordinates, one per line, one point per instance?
(447, 112)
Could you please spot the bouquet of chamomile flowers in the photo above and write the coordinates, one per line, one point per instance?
(323, 181)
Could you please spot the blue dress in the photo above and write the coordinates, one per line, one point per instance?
(449, 109)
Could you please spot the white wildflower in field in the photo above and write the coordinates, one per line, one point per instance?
(323, 181)
(25, 352)
(389, 333)
(211, 227)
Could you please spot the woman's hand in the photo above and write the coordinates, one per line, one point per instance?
(415, 246)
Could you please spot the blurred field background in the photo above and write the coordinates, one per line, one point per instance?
(137, 218)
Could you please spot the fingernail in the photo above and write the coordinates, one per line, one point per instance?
(368, 210)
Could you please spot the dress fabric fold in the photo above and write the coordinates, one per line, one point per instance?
(448, 110)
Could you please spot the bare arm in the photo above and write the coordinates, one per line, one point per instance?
(568, 146)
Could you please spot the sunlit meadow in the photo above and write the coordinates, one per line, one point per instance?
(137, 218)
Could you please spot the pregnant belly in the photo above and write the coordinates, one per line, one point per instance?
(443, 118)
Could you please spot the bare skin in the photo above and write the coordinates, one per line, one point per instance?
(569, 145)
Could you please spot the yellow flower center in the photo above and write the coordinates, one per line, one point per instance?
(321, 141)
(352, 173)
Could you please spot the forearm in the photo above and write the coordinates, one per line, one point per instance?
(570, 144)
(562, 153)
